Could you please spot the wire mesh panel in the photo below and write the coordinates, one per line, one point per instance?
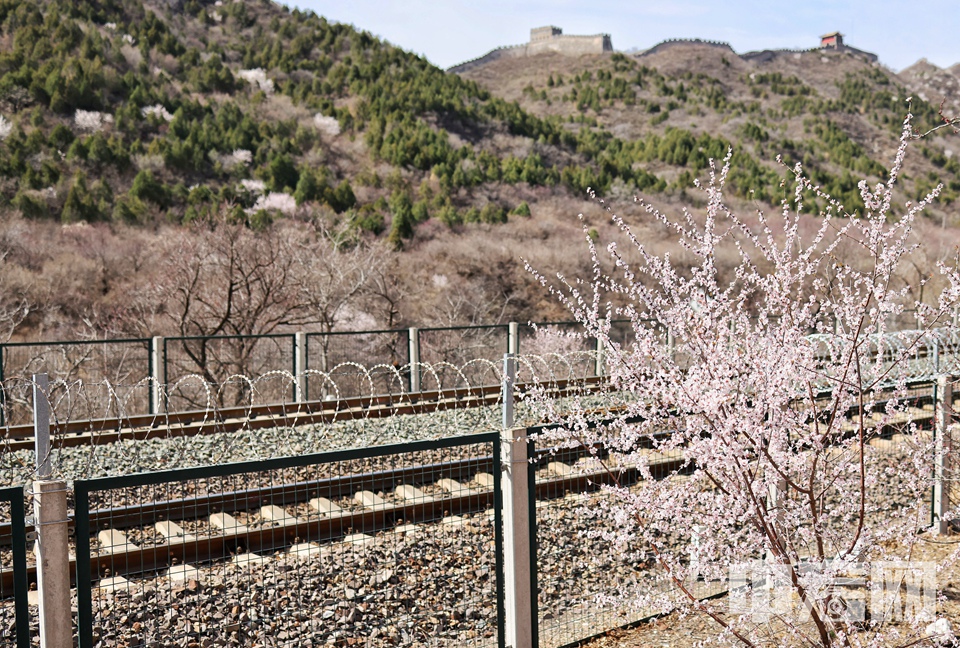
(14, 619)
(383, 355)
(562, 350)
(386, 547)
(586, 582)
(113, 362)
(193, 362)
(457, 346)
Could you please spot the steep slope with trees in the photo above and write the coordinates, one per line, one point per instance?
(123, 121)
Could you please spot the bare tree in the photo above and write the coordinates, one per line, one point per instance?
(231, 281)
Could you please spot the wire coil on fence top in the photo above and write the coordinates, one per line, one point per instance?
(99, 430)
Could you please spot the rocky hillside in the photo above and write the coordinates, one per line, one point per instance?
(123, 121)
(143, 111)
(836, 112)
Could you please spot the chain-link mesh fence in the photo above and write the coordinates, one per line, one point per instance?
(217, 360)
(588, 582)
(359, 363)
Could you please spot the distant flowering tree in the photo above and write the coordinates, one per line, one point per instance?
(327, 125)
(258, 78)
(5, 127)
(158, 111)
(91, 120)
(777, 378)
(275, 201)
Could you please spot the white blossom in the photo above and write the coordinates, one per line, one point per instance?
(158, 111)
(112, 26)
(237, 158)
(242, 156)
(327, 125)
(254, 186)
(258, 78)
(6, 127)
(274, 201)
(773, 381)
(146, 162)
(90, 120)
(128, 39)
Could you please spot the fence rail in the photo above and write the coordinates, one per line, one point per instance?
(303, 544)
(142, 365)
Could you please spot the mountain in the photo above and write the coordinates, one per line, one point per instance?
(140, 117)
(840, 113)
(135, 111)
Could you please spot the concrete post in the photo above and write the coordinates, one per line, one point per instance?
(414, 340)
(507, 386)
(156, 374)
(518, 527)
(513, 338)
(300, 367)
(942, 446)
(53, 563)
(50, 519)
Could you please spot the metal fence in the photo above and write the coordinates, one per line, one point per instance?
(14, 611)
(119, 362)
(360, 363)
(397, 545)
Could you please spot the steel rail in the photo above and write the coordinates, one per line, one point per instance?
(233, 419)
(332, 527)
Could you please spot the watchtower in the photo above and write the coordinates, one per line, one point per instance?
(538, 34)
(832, 40)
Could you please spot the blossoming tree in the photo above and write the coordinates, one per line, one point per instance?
(771, 385)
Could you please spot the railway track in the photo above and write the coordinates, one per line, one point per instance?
(461, 487)
(257, 417)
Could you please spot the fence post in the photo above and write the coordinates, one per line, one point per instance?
(943, 413)
(156, 374)
(300, 367)
(50, 520)
(519, 553)
(513, 338)
(414, 346)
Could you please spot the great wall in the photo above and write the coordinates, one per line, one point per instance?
(552, 39)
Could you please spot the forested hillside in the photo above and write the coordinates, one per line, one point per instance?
(149, 120)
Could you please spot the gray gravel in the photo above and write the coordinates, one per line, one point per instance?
(432, 587)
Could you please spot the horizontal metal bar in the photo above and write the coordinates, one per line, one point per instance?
(199, 338)
(55, 343)
(345, 333)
